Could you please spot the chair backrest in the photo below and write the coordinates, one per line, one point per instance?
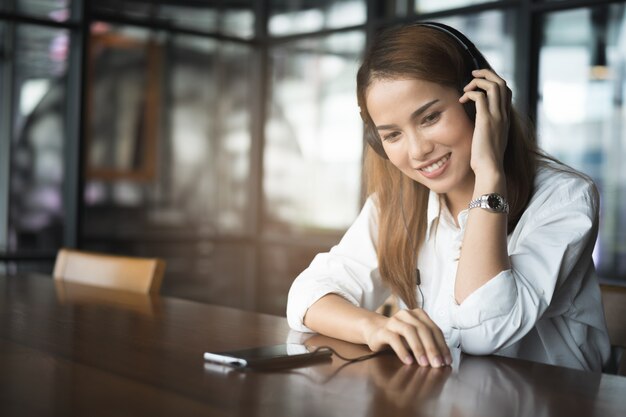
(614, 300)
(143, 275)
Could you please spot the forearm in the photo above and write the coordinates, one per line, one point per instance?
(334, 316)
(410, 333)
(484, 250)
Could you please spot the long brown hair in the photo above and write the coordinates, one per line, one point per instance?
(424, 53)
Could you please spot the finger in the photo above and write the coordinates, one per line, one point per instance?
(488, 75)
(395, 341)
(440, 340)
(505, 91)
(428, 344)
(410, 335)
(435, 357)
(425, 339)
(505, 97)
(493, 92)
(478, 97)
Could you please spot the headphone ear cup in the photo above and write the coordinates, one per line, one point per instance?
(470, 110)
(373, 139)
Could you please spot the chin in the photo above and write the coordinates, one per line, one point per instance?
(440, 188)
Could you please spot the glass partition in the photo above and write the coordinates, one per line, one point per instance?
(581, 116)
(279, 265)
(170, 122)
(169, 150)
(5, 132)
(288, 18)
(226, 18)
(313, 144)
(429, 6)
(56, 10)
(38, 138)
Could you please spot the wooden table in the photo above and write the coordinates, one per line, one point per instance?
(72, 350)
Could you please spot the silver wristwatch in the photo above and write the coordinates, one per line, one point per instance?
(493, 202)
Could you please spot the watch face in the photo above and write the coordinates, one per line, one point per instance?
(494, 201)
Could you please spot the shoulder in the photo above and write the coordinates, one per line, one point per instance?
(558, 186)
(367, 219)
(370, 207)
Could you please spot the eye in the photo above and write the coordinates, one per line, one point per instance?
(431, 118)
(391, 137)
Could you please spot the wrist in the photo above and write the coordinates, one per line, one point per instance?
(369, 324)
(490, 181)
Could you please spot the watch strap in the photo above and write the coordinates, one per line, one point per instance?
(500, 206)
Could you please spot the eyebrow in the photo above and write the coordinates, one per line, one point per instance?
(415, 114)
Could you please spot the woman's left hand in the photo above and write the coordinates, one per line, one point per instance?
(493, 105)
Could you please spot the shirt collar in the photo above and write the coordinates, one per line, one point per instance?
(434, 212)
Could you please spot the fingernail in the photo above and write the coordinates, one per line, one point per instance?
(423, 360)
(408, 359)
(448, 360)
(437, 362)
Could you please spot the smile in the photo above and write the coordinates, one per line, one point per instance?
(435, 165)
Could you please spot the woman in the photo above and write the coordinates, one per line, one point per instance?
(485, 241)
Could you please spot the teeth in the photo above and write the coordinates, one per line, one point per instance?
(436, 165)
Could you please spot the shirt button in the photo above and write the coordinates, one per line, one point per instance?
(441, 313)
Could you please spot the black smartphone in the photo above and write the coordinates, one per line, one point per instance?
(270, 357)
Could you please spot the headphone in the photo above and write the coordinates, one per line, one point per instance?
(472, 60)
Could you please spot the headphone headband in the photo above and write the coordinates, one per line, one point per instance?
(460, 38)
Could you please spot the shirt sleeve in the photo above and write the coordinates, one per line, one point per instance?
(550, 260)
(349, 269)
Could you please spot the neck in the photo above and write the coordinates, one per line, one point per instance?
(458, 200)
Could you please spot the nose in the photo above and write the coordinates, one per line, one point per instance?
(420, 147)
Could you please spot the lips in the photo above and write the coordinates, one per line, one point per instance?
(434, 166)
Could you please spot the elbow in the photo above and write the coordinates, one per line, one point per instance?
(480, 346)
(495, 334)
(483, 350)
(296, 309)
(488, 324)
(292, 318)
(295, 319)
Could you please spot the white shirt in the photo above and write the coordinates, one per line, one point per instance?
(546, 308)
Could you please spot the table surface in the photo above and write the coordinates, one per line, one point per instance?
(72, 350)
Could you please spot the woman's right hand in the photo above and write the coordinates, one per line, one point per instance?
(412, 335)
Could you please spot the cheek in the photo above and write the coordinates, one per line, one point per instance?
(452, 133)
(397, 155)
(396, 160)
(466, 137)
(456, 139)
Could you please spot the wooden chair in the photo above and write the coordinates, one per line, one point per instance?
(614, 299)
(143, 275)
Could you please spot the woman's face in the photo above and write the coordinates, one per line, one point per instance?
(425, 132)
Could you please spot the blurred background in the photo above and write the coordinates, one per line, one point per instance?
(224, 136)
